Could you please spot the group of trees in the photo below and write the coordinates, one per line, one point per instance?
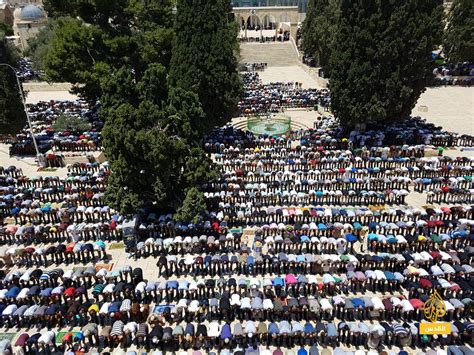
(163, 80)
(377, 53)
(319, 29)
(458, 41)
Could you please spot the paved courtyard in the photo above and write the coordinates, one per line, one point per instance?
(449, 107)
(452, 108)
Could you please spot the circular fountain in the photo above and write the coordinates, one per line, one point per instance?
(270, 124)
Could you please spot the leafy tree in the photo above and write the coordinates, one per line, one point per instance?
(381, 58)
(58, 8)
(151, 139)
(39, 45)
(12, 115)
(94, 38)
(119, 51)
(73, 56)
(193, 206)
(319, 29)
(203, 59)
(458, 41)
(71, 123)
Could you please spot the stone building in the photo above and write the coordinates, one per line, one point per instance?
(6, 13)
(28, 21)
(19, 3)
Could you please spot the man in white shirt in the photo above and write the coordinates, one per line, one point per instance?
(46, 339)
(214, 333)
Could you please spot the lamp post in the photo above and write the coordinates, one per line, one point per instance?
(39, 156)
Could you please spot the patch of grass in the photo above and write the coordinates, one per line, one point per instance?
(116, 246)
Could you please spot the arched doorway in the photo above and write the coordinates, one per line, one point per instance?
(240, 21)
(254, 23)
(269, 22)
(285, 18)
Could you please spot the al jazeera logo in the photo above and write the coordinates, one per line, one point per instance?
(433, 310)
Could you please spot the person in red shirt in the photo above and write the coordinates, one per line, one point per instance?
(66, 341)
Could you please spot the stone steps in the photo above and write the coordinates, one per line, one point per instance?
(274, 53)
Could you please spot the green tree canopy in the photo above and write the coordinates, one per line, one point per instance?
(93, 38)
(204, 60)
(120, 51)
(5, 29)
(193, 206)
(458, 41)
(381, 58)
(59, 8)
(319, 30)
(150, 139)
(39, 45)
(12, 115)
(71, 123)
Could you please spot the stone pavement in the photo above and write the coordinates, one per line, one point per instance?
(276, 54)
(27, 164)
(43, 91)
(451, 107)
(295, 73)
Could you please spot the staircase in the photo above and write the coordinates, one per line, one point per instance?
(279, 54)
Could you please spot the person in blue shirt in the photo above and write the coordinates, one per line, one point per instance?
(278, 284)
(331, 334)
(273, 332)
(359, 306)
(249, 267)
(309, 333)
(226, 336)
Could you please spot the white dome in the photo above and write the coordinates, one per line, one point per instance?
(31, 13)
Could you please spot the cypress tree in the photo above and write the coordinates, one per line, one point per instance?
(12, 116)
(381, 58)
(119, 51)
(319, 29)
(203, 57)
(458, 41)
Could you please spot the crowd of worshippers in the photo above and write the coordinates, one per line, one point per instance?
(118, 308)
(460, 74)
(25, 71)
(259, 172)
(299, 281)
(261, 98)
(250, 67)
(453, 81)
(43, 116)
(459, 69)
(408, 133)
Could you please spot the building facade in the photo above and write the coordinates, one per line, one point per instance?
(302, 4)
(6, 14)
(28, 21)
(19, 3)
